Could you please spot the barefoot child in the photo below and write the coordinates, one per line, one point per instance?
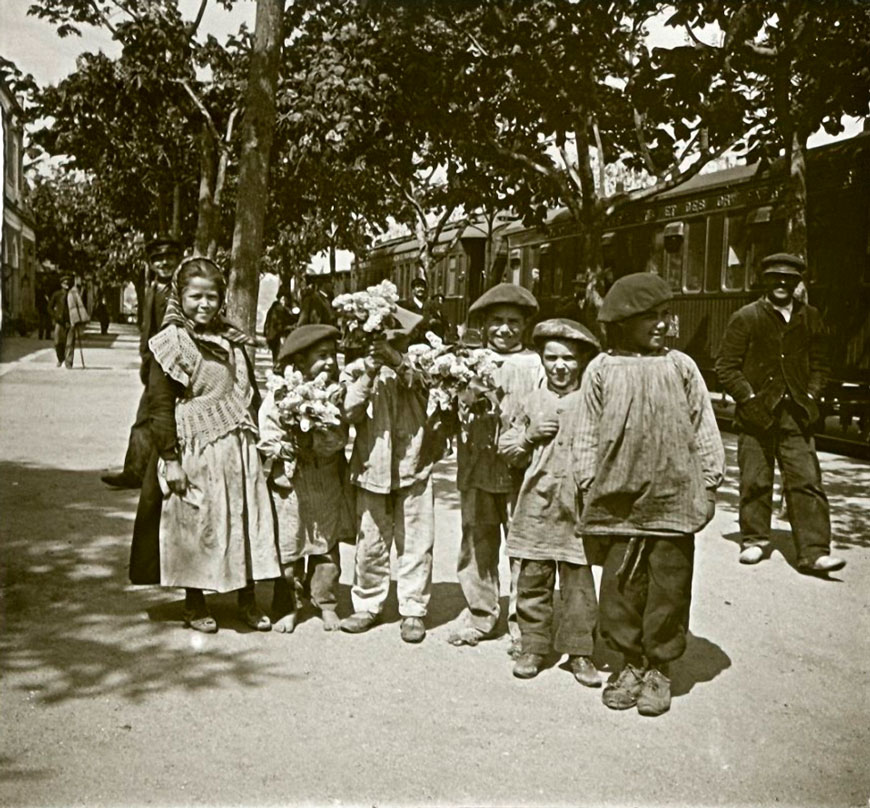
(307, 478)
(391, 468)
(487, 486)
(543, 529)
(649, 459)
(216, 530)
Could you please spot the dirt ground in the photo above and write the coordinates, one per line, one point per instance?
(106, 700)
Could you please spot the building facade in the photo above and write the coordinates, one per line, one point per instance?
(18, 287)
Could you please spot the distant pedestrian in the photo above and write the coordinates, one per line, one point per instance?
(164, 254)
(78, 319)
(543, 528)
(59, 309)
(649, 459)
(101, 312)
(215, 526)
(43, 311)
(773, 363)
(278, 323)
(307, 474)
(428, 308)
(316, 305)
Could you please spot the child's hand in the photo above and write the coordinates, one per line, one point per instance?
(387, 354)
(373, 360)
(542, 427)
(176, 478)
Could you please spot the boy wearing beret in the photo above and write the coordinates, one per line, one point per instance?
(307, 479)
(772, 362)
(391, 468)
(543, 530)
(487, 485)
(649, 459)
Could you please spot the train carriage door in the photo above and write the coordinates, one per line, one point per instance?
(696, 256)
(715, 246)
(675, 248)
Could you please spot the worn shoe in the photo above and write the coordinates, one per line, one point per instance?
(413, 629)
(751, 554)
(655, 695)
(622, 694)
(528, 666)
(253, 618)
(123, 479)
(584, 671)
(359, 622)
(200, 621)
(467, 635)
(823, 564)
(515, 649)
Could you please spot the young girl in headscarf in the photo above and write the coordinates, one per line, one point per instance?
(648, 461)
(216, 527)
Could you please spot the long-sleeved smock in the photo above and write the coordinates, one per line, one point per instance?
(395, 444)
(308, 482)
(544, 525)
(647, 453)
(478, 464)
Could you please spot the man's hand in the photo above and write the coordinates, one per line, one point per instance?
(176, 478)
(542, 427)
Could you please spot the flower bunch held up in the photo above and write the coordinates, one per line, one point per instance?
(305, 406)
(367, 314)
(457, 376)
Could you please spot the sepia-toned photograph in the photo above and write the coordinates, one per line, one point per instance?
(435, 403)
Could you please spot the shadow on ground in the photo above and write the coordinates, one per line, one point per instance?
(72, 627)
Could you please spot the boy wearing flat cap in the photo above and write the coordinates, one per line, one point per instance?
(307, 477)
(648, 460)
(391, 467)
(773, 363)
(543, 529)
(487, 485)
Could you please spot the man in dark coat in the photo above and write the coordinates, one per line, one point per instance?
(773, 363)
(164, 254)
(316, 306)
(59, 310)
(429, 310)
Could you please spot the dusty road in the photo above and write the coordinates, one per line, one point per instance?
(105, 699)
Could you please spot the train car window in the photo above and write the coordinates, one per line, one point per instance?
(451, 276)
(865, 276)
(655, 261)
(715, 245)
(673, 261)
(765, 239)
(735, 265)
(696, 253)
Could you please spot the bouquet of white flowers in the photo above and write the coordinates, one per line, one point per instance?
(454, 374)
(305, 406)
(368, 311)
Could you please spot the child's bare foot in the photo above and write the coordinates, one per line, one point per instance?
(467, 635)
(285, 624)
(330, 620)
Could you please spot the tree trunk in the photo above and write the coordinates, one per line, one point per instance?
(205, 222)
(257, 129)
(796, 197)
(176, 211)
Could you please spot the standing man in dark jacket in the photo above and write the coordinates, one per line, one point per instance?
(59, 311)
(163, 254)
(773, 363)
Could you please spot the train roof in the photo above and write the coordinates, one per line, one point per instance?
(402, 244)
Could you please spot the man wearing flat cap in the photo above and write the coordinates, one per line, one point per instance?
(164, 253)
(772, 362)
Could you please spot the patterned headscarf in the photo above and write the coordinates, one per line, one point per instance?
(208, 338)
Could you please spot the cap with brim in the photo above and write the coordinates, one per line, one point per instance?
(562, 329)
(783, 264)
(163, 245)
(505, 294)
(634, 294)
(306, 336)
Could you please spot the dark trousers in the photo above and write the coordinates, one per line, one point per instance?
(646, 591)
(535, 594)
(315, 576)
(139, 444)
(60, 335)
(807, 504)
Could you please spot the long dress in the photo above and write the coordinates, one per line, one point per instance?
(220, 534)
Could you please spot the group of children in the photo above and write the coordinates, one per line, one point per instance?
(591, 457)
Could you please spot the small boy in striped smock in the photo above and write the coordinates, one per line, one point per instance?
(649, 459)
